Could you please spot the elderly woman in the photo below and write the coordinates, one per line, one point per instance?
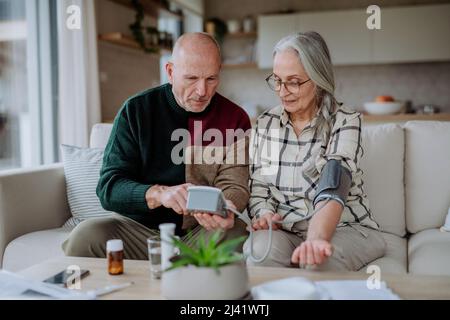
(310, 189)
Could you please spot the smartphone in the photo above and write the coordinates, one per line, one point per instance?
(61, 278)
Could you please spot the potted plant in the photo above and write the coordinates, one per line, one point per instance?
(207, 270)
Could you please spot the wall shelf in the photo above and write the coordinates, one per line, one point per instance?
(238, 35)
(152, 8)
(121, 39)
(239, 48)
(239, 65)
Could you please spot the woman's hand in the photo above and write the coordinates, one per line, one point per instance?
(312, 252)
(214, 221)
(262, 223)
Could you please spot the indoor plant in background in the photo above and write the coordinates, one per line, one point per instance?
(148, 37)
(206, 270)
(217, 28)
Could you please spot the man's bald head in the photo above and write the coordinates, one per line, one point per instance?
(194, 70)
(196, 44)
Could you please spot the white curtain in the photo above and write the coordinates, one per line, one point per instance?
(79, 92)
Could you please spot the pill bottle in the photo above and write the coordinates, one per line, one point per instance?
(114, 253)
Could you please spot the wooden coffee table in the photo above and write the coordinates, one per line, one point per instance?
(406, 286)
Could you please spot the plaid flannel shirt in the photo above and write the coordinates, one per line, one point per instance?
(285, 169)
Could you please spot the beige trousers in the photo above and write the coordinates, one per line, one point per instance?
(354, 247)
(88, 239)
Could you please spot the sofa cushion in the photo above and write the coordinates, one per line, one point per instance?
(395, 260)
(427, 174)
(429, 252)
(34, 247)
(82, 171)
(100, 134)
(382, 164)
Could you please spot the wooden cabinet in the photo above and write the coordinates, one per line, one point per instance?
(348, 40)
(408, 34)
(413, 34)
(270, 30)
(347, 37)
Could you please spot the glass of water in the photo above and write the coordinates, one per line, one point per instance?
(154, 256)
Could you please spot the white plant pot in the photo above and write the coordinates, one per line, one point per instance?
(201, 283)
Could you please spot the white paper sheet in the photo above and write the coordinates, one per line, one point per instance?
(294, 289)
(14, 286)
(356, 290)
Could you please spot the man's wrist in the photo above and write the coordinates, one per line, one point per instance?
(153, 196)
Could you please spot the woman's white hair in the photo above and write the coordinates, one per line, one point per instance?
(315, 57)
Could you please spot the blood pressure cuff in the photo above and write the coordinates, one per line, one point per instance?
(334, 183)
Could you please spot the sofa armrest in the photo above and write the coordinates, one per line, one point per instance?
(31, 200)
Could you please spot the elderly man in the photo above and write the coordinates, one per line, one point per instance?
(143, 179)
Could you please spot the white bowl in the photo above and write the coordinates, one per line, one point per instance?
(384, 107)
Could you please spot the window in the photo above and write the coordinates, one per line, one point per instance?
(27, 83)
(13, 84)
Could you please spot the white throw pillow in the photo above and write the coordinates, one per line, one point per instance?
(82, 172)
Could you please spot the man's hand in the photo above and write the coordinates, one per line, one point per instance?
(214, 221)
(262, 223)
(174, 197)
(312, 252)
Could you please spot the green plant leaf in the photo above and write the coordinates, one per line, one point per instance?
(230, 259)
(208, 251)
(205, 252)
(185, 249)
(185, 261)
(214, 240)
(229, 246)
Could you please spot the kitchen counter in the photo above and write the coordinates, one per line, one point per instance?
(403, 117)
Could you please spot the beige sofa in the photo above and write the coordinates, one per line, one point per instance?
(407, 179)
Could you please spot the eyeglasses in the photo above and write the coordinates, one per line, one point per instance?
(291, 86)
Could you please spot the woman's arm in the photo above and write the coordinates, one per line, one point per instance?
(317, 247)
(344, 146)
(323, 224)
